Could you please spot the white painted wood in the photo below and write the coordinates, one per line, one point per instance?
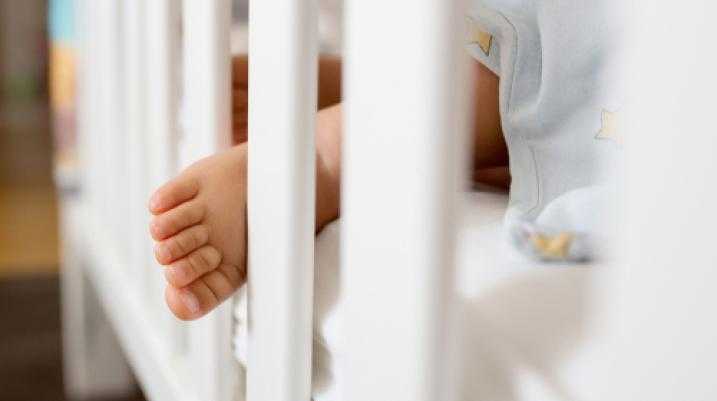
(111, 123)
(162, 58)
(206, 111)
(86, 102)
(92, 135)
(206, 93)
(94, 365)
(402, 99)
(665, 314)
(148, 350)
(139, 251)
(282, 84)
(162, 46)
(129, 104)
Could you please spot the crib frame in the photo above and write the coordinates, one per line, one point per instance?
(133, 139)
(135, 133)
(129, 106)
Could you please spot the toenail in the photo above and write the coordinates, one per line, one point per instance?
(154, 228)
(190, 301)
(162, 253)
(154, 203)
(174, 275)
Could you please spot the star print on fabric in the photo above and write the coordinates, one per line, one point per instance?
(477, 36)
(552, 247)
(610, 127)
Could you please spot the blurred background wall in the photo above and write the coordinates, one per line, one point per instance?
(29, 308)
(28, 240)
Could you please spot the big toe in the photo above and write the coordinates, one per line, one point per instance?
(183, 303)
(204, 294)
(176, 191)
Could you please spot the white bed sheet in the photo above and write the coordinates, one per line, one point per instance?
(523, 324)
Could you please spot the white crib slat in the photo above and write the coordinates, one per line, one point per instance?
(399, 196)
(206, 111)
(282, 72)
(86, 372)
(206, 108)
(109, 130)
(87, 105)
(134, 106)
(161, 63)
(162, 47)
(665, 316)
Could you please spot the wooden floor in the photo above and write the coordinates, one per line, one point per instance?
(30, 352)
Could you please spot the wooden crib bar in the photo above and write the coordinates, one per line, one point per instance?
(404, 139)
(206, 110)
(282, 71)
(129, 114)
(397, 235)
(206, 78)
(161, 46)
(135, 67)
(400, 149)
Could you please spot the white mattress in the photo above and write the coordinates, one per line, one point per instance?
(524, 322)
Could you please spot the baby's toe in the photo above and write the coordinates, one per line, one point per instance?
(183, 303)
(181, 244)
(174, 192)
(203, 295)
(193, 266)
(175, 220)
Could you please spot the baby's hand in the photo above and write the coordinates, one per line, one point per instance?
(199, 224)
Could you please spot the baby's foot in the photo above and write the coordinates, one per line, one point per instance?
(199, 225)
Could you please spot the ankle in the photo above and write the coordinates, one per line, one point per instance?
(328, 165)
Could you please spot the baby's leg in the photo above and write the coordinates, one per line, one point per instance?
(199, 226)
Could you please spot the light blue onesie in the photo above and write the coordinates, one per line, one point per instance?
(560, 102)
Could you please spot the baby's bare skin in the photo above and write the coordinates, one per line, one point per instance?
(198, 223)
(199, 217)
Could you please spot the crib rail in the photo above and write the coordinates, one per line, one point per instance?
(155, 97)
(160, 131)
(283, 68)
(207, 108)
(403, 130)
(132, 140)
(147, 66)
(135, 103)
